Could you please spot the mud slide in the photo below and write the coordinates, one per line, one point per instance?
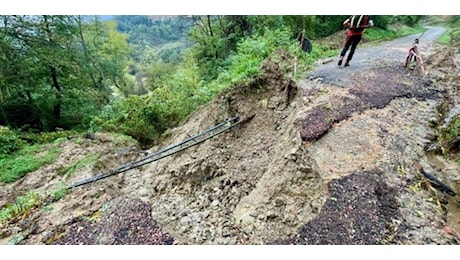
(329, 160)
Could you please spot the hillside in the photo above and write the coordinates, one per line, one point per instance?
(331, 159)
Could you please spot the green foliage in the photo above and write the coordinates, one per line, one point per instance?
(134, 116)
(172, 53)
(451, 131)
(244, 65)
(47, 137)
(9, 141)
(446, 37)
(386, 22)
(381, 21)
(29, 158)
(159, 73)
(326, 25)
(378, 34)
(455, 35)
(22, 205)
(452, 35)
(448, 136)
(57, 70)
(409, 20)
(87, 161)
(215, 38)
(153, 30)
(59, 191)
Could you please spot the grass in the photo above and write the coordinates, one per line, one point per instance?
(446, 37)
(28, 159)
(59, 191)
(377, 35)
(22, 205)
(68, 170)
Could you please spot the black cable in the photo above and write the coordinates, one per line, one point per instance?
(143, 161)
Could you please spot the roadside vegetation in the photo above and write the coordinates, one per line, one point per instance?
(449, 134)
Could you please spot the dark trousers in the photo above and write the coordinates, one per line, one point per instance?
(352, 41)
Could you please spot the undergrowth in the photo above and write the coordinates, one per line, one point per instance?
(21, 206)
(28, 159)
(87, 161)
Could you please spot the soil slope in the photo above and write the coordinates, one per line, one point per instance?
(333, 159)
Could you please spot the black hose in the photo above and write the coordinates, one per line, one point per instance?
(437, 183)
(234, 119)
(144, 161)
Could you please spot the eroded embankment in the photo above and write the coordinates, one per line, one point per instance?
(246, 186)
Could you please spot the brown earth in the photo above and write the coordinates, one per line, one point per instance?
(327, 160)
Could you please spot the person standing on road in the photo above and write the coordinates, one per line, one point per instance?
(355, 25)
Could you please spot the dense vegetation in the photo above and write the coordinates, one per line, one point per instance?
(139, 75)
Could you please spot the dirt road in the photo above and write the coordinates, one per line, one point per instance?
(391, 53)
(371, 124)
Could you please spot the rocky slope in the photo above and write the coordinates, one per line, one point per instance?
(332, 159)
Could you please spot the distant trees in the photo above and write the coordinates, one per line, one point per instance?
(56, 70)
(152, 30)
(149, 33)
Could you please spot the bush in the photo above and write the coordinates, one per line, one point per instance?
(326, 25)
(9, 141)
(133, 116)
(46, 137)
(245, 63)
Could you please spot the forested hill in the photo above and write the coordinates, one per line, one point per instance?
(153, 30)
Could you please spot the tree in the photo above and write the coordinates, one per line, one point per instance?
(55, 71)
(215, 38)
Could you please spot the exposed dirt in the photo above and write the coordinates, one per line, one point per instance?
(365, 206)
(329, 160)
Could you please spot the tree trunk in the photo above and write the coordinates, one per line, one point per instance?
(97, 84)
(216, 56)
(57, 106)
(54, 79)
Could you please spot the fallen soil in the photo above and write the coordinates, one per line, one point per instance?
(331, 159)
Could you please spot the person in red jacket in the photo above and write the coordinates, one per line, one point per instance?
(355, 25)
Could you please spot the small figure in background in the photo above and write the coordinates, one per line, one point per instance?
(414, 56)
(355, 25)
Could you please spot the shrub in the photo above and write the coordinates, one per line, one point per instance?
(9, 141)
(134, 116)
